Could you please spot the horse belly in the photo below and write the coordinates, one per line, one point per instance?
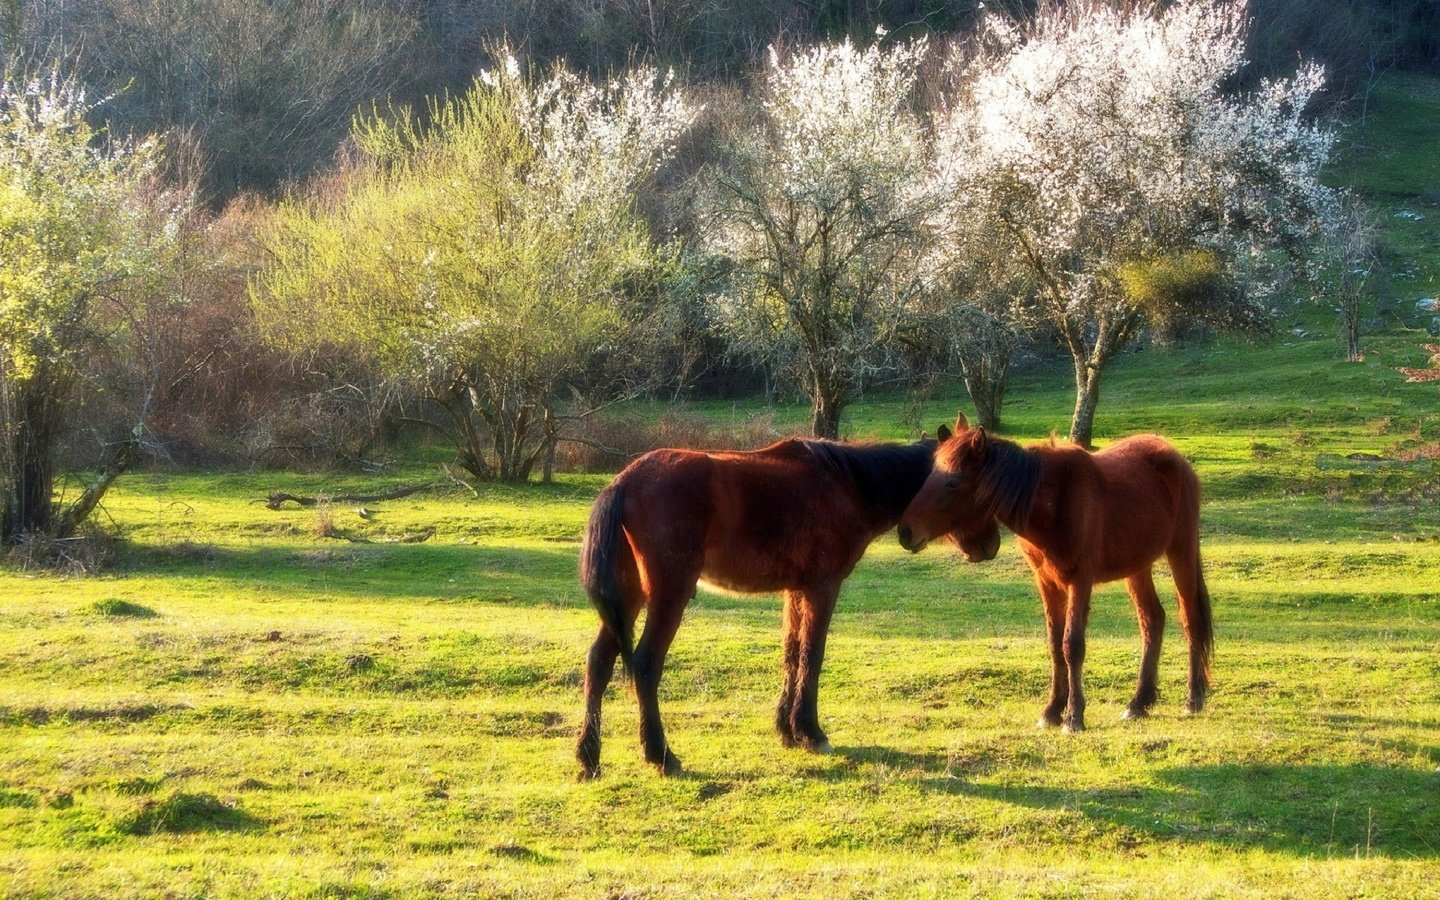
(1133, 544)
(796, 549)
(752, 570)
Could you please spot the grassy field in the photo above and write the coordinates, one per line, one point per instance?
(240, 706)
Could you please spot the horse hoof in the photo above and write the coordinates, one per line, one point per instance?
(671, 766)
(1134, 713)
(822, 747)
(1073, 727)
(1047, 722)
(588, 775)
(1193, 707)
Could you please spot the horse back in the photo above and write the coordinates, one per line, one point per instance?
(752, 521)
(1148, 469)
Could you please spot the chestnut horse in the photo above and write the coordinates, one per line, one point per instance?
(795, 517)
(1081, 519)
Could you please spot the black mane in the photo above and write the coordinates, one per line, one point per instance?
(1007, 480)
(886, 476)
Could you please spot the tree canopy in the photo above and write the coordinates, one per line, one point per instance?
(821, 208)
(489, 255)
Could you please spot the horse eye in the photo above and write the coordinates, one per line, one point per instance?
(953, 482)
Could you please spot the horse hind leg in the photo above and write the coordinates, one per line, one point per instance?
(789, 670)
(599, 667)
(1151, 615)
(667, 604)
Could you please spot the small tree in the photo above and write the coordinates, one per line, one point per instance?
(1351, 253)
(492, 256)
(822, 210)
(86, 242)
(1103, 146)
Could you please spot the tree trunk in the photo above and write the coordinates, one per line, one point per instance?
(73, 516)
(30, 426)
(985, 382)
(988, 399)
(1087, 397)
(1350, 326)
(825, 417)
(551, 439)
(512, 462)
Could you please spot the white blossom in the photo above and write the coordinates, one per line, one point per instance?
(822, 214)
(595, 143)
(1099, 137)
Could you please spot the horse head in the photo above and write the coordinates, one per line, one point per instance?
(948, 503)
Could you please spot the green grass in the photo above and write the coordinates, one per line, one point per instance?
(236, 706)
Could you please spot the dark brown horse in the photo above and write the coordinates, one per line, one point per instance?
(795, 517)
(1081, 519)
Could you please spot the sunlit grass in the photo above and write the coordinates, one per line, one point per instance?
(302, 716)
(237, 705)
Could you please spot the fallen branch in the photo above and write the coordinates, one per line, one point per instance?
(280, 498)
(418, 537)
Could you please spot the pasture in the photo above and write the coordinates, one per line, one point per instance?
(244, 703)
(239, 706)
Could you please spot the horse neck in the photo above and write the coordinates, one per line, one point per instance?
(1012, 475)
(886, 477)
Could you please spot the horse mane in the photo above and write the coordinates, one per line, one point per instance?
(886, 476)
(1008, 479)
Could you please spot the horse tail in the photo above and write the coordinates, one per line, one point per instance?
(600, 560)
(1196, 617)
(1200, 623)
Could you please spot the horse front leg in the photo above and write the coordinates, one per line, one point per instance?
(1054, 598)
(1077, 613)
(599, 668)
(789, 669)
(815, 612)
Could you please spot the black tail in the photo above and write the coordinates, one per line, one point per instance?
(1202, 625)
(599, 561)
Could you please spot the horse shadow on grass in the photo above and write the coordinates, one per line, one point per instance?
(1307, 810)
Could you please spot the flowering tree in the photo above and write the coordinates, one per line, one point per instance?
(87, 238)
(491, 256)
(822, 210)
(1104, 147)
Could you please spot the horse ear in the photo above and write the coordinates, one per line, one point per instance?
(961, 423)
(942, 433)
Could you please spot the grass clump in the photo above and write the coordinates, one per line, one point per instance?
(183, 813)
(116, 608)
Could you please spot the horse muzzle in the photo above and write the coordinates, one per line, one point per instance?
(982, 550)
(908, 541)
